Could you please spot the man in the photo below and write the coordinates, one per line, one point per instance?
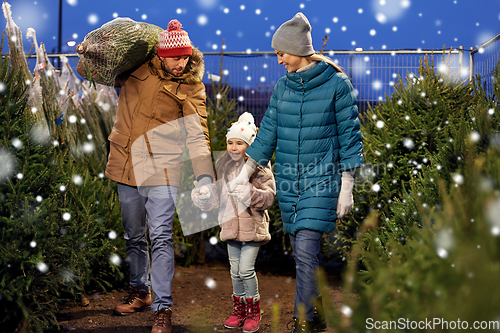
(159, 101)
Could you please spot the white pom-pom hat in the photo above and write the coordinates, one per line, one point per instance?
(243, 129)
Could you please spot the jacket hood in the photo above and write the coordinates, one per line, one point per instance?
(193, 74)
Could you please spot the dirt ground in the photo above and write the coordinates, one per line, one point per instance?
(197, 307)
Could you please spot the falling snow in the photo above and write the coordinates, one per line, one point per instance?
(210, 283)
(115, 259)
(458, 178)
(408, 143)
(77, 179)
(346, 311)
(42, 267)
(18, 144)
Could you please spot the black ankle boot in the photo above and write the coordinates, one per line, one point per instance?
(300, 326)
(318, 323)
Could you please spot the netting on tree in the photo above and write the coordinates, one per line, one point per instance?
(116, 47)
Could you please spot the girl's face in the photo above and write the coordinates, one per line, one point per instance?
(291, 62)
(236, 148)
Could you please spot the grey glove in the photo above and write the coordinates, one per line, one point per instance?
(204, 190)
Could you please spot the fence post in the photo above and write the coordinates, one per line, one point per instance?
(460, 61)
(471, 64)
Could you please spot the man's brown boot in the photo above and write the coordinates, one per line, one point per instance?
(137, 300)
(162, 321)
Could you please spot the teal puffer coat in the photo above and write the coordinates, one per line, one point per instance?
(312, 124)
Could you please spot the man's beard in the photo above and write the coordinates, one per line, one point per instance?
(181, 71)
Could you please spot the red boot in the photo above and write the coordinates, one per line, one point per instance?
(239, 313)
(252, 320)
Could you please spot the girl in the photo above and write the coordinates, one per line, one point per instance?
(312, 124)
(243, 219)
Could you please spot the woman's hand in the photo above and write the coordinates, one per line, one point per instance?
(345, 201)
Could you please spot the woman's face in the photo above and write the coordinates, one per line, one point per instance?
(291, 62)
(236, 148)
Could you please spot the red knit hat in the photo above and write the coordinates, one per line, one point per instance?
(174, 42)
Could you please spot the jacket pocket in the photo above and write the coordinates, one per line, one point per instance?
(119, 138)
(170, 88)
(202, 112)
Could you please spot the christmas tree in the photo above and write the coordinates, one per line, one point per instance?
(431, 262)
(59, 217)
(400, 137)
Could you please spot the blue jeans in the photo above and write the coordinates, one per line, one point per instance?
(158, 202)
(306, 244)
(242, 256)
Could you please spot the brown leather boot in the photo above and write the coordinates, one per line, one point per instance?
(162, 321)
(137, 300)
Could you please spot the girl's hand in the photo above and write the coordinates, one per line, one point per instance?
(242, 193)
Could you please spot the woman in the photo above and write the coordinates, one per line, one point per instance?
(312, 124)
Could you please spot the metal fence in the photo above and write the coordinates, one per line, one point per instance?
(484, 60)
(373, 73)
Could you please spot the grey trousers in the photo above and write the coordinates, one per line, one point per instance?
(158, 202)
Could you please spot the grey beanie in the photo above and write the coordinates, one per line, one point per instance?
(294, 37)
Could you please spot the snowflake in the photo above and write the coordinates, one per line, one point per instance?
(18, 144)
(211, 283)
(458, 178)
(442, 253)
(42, 267)
(408, 143)
(78, 180)
(115, 259)
(346, 311)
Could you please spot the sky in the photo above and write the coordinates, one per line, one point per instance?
(248, 26)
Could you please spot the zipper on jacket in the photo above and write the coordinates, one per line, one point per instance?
(298, 151)
(178, 86)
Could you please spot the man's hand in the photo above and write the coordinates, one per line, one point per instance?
(203, 189)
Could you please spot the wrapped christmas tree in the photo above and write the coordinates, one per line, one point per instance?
(115, 47)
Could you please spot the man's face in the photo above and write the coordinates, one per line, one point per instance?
(176, 65)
